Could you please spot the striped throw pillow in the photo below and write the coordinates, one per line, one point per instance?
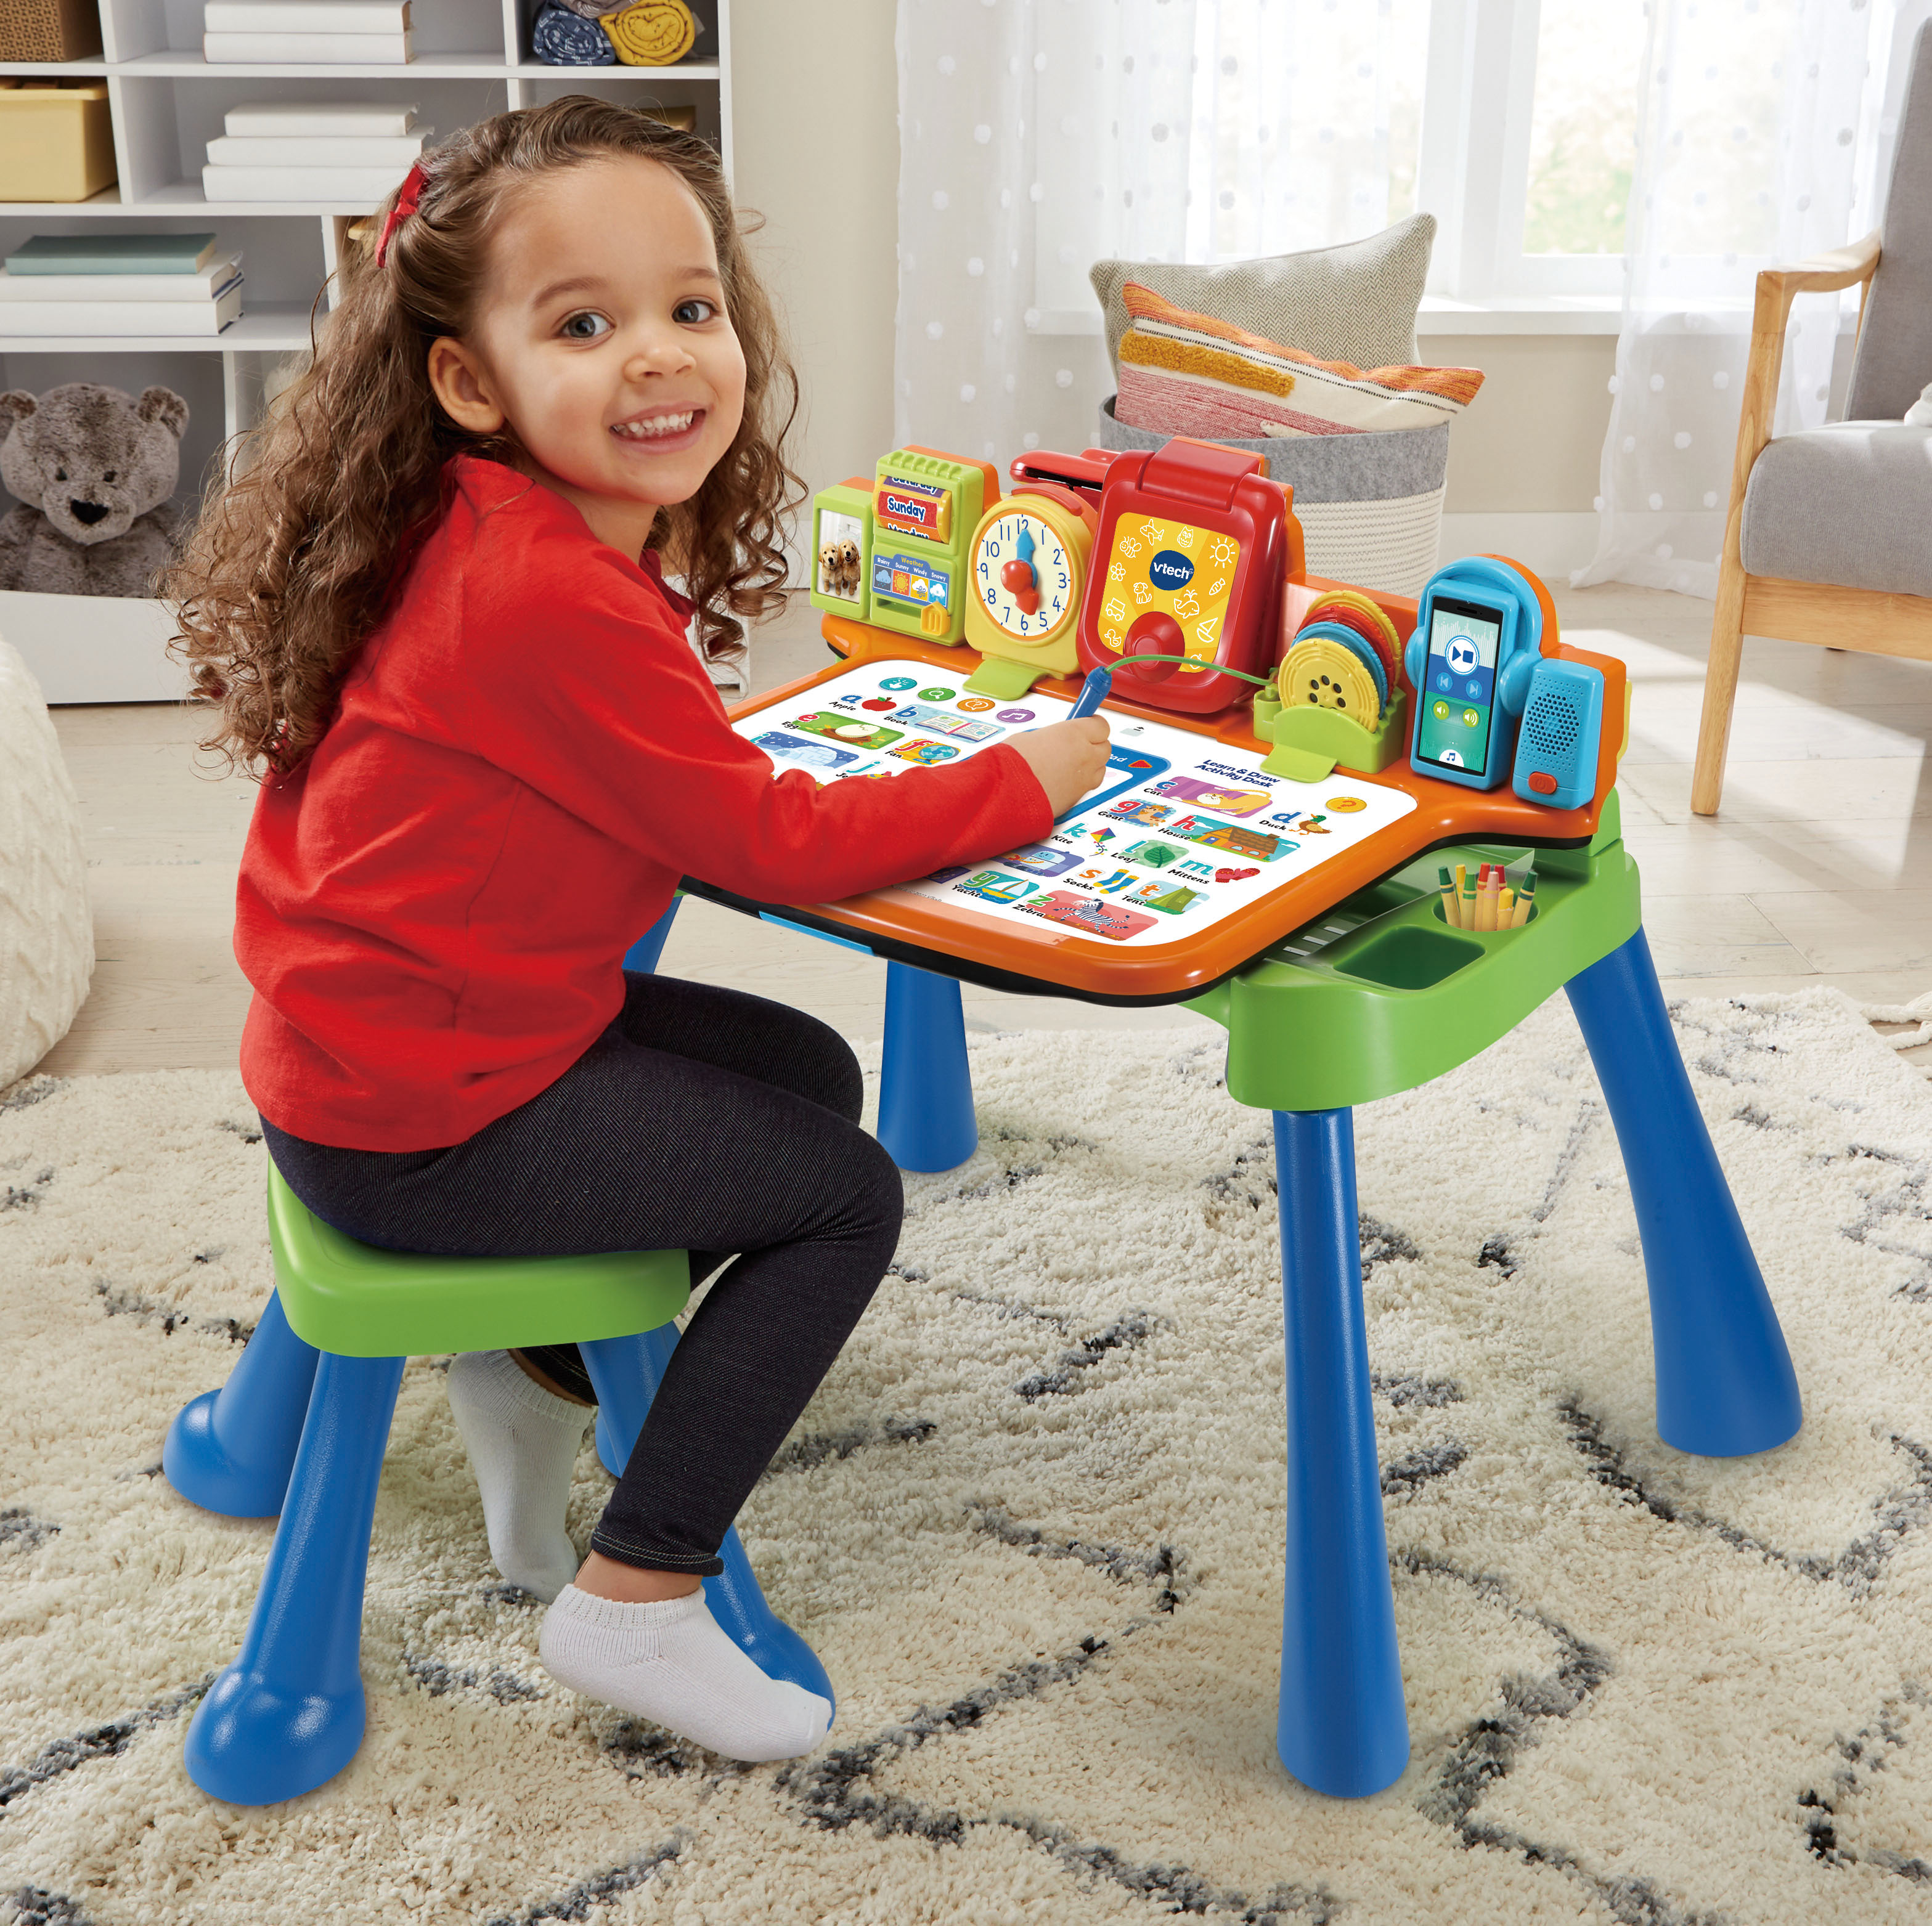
(1356, 302)
(1184, 373)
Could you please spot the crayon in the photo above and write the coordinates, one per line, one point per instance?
(1505, 904)
(1526, 901)
(1465, 901)
(1448, 887)
(1461, 870)
(1485, 902)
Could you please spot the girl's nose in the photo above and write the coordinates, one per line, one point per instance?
(660, 354)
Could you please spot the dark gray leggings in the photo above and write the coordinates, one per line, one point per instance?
(703, 1120)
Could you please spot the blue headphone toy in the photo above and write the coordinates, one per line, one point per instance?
(1477, 640)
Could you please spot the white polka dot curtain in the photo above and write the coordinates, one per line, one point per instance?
(1757, 128)
(1038, 136)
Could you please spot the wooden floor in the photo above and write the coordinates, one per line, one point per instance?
(1819, 869)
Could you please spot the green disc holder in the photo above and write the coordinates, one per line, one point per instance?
(1310, 743)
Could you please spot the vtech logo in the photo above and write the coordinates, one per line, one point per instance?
(1170, 570)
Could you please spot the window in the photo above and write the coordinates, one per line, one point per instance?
(1243, 127)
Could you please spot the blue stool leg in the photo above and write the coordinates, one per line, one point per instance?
(926, 1085)
(287, 1714)
(1343, 1728)
(642, 956)
(231, 1451)
(626, 1372)
(1725, 1385)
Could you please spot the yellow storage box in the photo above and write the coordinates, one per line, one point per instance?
(56, 140)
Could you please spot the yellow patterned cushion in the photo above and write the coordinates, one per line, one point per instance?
(652, 33)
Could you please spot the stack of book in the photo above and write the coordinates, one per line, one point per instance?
(306, 33)
(77, 285)
(356, 151)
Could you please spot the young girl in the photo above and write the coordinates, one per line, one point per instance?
(432, 615)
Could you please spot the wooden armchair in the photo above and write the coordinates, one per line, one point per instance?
(1829, 536)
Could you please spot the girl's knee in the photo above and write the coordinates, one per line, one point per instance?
(878, 1192)
(839, 1083)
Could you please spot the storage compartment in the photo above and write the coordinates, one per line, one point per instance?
(49, 30)
(56, 139)
(1410, 957)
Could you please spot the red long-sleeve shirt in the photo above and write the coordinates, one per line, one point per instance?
(434, 908)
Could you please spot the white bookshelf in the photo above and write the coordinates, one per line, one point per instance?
(472, 59)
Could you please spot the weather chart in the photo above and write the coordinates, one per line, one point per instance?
(1182, 832)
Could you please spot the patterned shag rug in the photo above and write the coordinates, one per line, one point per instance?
(1033, 1523)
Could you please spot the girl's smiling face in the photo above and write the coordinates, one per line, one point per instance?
(601, 340)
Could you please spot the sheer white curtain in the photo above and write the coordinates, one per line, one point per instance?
(1038, 136)
(1757, 130)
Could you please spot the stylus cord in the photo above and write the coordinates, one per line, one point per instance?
(1178, 662)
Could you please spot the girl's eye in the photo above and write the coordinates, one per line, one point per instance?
(587, 326)
(692, 312)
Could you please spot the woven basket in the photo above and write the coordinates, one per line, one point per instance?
(49, 30)
(1370, 504)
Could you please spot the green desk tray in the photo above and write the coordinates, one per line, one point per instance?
(1380, 995)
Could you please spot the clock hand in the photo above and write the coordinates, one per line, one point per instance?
(1019, 577)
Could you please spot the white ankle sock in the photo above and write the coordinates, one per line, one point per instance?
(522, 1442)
(670, 1662)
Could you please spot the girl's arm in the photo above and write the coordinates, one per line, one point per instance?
(600, 705)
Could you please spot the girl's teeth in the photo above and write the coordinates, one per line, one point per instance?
(665, 425)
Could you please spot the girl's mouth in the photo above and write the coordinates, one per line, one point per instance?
(662, 431)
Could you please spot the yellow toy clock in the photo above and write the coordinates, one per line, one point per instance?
(1027, 571)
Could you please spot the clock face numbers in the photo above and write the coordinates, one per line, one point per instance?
(1023, 576)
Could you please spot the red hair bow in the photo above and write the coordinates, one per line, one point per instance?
(406, 199)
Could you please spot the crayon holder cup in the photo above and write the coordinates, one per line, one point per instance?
(1441, 917)
(1309, 743)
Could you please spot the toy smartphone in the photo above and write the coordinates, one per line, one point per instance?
(1478, 635)
(1193, 553)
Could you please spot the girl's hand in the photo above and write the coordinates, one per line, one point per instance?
(1070, 758)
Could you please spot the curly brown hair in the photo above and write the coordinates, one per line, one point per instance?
(302, 542)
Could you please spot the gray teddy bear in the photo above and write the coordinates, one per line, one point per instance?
(93, 469)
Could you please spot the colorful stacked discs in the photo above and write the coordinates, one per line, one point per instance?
(1331, 667)
(1354, 610)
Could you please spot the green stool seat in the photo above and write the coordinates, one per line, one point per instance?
(358, 1302)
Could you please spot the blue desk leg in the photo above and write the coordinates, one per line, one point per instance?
(231, 1451)
(642, 956)
(626, 1373)
(1342, 1729)
(925, 1085)
(287, 1714)
(1725, 1385)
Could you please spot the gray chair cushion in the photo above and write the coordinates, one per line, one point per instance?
(1894, 356)
(1850, 504)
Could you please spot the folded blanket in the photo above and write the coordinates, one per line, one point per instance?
(561, 38)
(1184, 373)
(651, 33)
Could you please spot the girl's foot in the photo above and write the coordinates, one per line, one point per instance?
(671, 1662)
(523, 1441)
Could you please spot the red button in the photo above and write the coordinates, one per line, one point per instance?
(1543, 782)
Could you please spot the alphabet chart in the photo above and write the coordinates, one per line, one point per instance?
(1181, 833)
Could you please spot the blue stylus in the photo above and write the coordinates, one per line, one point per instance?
(1095, 690)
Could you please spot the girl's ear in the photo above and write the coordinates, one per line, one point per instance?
(462, 386)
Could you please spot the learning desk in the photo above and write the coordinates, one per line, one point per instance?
(1348, 829)
(1338, 981)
